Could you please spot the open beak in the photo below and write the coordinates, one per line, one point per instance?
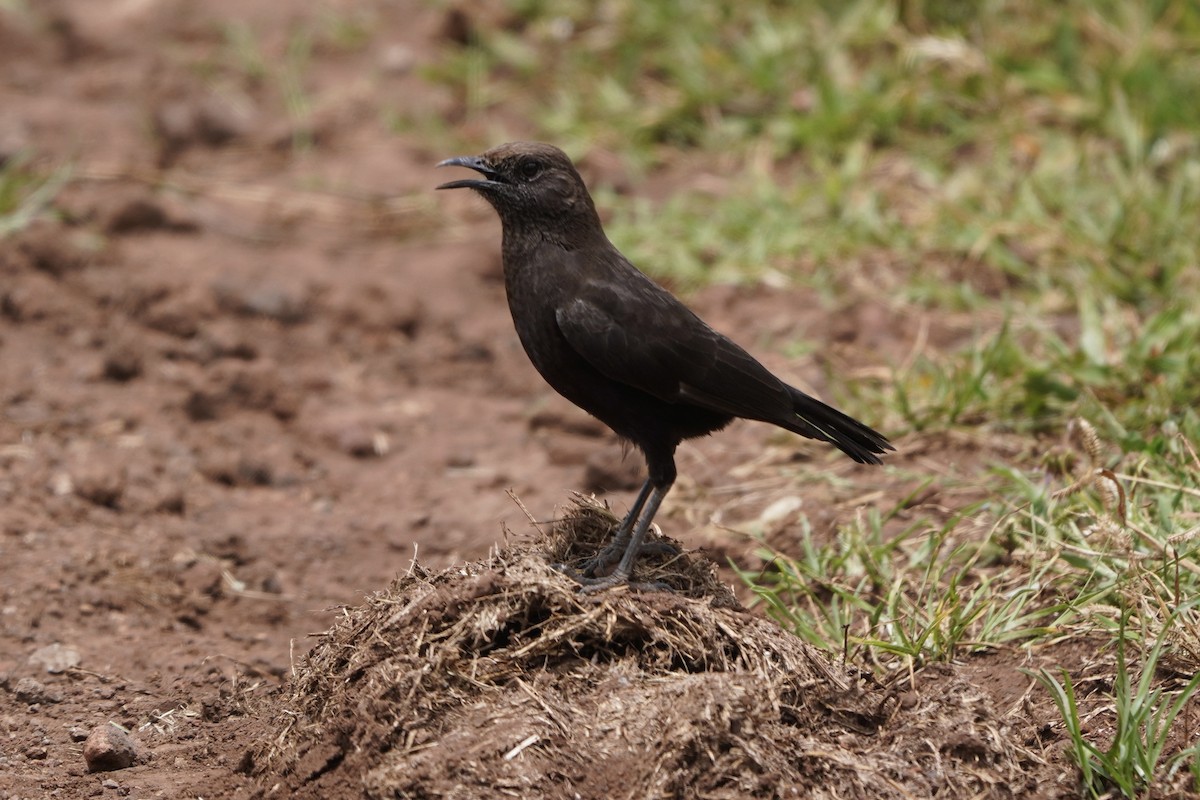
(471, 162)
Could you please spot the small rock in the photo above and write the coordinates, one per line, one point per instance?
(77, 733)
(55, 658)
(32, 692)
(397, 59)
(109, 748)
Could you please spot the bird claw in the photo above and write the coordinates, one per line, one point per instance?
(588, 585)
(597, 585)
(606, 557)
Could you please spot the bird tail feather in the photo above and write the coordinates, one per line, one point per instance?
(816, 420)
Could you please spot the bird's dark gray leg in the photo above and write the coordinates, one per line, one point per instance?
(625, 569)
(620, 541)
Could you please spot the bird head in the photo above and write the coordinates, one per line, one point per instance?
(531, 185)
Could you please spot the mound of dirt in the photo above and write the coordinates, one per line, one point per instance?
(500, 678)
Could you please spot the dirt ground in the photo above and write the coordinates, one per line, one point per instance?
(255, 365)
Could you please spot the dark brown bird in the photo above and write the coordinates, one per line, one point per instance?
(621, 347)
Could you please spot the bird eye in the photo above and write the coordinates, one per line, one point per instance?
(529, 169)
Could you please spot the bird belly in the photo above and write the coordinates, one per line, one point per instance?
(633, 414)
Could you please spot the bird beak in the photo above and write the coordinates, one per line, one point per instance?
(471, 162)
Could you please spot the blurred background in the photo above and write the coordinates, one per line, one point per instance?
(250, 363)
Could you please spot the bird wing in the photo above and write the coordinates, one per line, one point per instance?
(635, 333)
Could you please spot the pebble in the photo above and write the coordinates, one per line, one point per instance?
(397, 59)
(109, 748)
(28, 690)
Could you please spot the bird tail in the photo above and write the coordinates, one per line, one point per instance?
(816, 420)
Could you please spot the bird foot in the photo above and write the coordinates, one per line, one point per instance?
(588, 585)
(597, 585)
(611, 554)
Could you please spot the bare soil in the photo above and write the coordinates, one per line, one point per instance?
(254, 367)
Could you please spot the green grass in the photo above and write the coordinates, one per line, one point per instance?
(1050, 143)
(1038, 558)
(904, 598)
(1144, 714)
(27, 192)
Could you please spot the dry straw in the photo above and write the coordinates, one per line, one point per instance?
(498, 678)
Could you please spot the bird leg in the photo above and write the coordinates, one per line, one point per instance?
(620, 541)
(625, 569)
